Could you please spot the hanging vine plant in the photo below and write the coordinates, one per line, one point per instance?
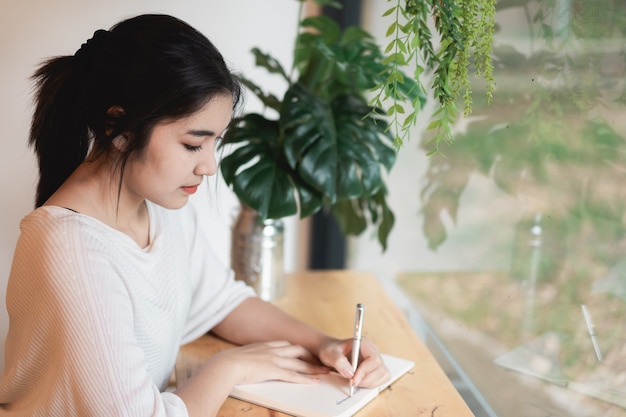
(465, 31)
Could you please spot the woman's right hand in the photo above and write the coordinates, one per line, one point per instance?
(278, 360)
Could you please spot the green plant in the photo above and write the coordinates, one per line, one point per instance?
(465, 30)
(327, 147)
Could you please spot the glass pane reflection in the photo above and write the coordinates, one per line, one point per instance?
(554, 139)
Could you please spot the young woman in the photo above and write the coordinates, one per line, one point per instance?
(111, 273)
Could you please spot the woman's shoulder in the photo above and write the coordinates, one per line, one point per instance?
(51, 218)
(48, 217)
(53, 225)
(51, 238)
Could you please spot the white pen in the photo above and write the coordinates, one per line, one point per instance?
(592, 332)
(356, 341)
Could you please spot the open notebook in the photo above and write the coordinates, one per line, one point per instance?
(328, 398)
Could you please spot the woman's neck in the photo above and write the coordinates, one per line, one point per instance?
(94, 189)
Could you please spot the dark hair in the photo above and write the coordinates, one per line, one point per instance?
(152, 68)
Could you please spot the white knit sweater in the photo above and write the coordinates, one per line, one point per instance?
(96, 322)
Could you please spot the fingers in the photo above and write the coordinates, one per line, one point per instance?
(285, 352)
(371, 371)
(278, 360)
(333, 353)
(296, 364)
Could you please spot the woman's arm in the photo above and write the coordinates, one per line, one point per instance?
(255, 320)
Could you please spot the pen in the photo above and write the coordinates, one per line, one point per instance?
(592, 332)
(356, 341)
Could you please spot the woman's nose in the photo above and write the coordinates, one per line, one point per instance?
(207, 165)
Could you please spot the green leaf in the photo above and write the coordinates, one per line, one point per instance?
(354, 36)
(351, 221)
(391, 46)
(311, 201)
(410, 119)
(310, 139)
(324, 28)
(353, 216)
(231, 163)
(434, 124)
(396, 58)
(548, 33)
(362, 142)
(270, 63)
(380, 214)
(318, 166)
(403, 49)
(266, 189)
(390, 11)
(368, 176)
(268, 100)
(255, 169)
(252, 128)
(387, 223)
(348, 180)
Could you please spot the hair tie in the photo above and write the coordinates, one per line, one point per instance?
(90, 49)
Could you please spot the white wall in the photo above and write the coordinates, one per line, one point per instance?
(31, 30)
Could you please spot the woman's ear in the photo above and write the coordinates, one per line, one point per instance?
(119, 142)
(113, 113)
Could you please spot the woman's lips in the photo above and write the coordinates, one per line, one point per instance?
(190, 189)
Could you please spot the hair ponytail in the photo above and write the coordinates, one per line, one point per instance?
(58, 132)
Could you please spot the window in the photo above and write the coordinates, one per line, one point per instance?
(512, 242)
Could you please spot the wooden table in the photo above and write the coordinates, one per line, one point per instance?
(326, 300)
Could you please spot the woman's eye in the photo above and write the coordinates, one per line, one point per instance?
(193, 148)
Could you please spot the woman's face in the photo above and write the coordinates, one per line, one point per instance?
(178, 155)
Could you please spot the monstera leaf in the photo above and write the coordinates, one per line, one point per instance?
(258, 172)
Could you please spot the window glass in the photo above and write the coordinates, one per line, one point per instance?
(511, 242)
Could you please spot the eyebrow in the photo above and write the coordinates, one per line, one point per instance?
(201, 133)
